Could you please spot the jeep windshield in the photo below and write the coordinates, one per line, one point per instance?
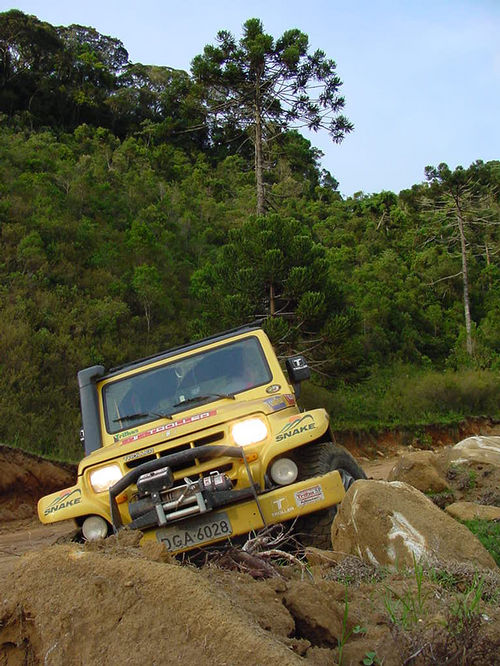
(173, 387)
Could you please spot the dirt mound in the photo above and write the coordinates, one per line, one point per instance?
(24, 478)
(371, 443)
(117, 603)
(466, 472)
(74, 605)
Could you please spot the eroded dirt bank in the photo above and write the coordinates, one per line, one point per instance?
(370, 444)
(24, 478)
(122, 604)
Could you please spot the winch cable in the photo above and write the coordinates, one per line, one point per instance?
(252, 485)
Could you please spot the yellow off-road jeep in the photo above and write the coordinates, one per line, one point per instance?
(203, 443)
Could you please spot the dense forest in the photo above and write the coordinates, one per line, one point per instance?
(142, 206)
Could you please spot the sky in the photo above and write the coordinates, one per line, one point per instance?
(421, 78)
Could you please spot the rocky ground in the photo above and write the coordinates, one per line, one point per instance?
(404, 582)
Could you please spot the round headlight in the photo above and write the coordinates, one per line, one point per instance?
(250, 431)
(94, 527)
(102, 479)
(284, 471)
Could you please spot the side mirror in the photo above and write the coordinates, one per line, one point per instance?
(298, 371)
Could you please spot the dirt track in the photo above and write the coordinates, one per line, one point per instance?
(24, 478)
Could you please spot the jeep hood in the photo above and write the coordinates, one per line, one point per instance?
(195, 420)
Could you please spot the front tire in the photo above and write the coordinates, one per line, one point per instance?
(317, 459)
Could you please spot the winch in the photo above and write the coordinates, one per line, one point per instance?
(159, 502)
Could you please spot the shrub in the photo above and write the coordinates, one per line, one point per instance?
(406, 396)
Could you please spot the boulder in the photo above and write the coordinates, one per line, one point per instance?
(479, 448)
(392, 523)
(473, 511)
(421, 470)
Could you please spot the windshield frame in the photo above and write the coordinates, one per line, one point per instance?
(113, 428)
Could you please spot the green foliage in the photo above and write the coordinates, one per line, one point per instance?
(404, 396)
(408, 608)
(466, 606)
(127, 227)
(272, 269)
(346, 633)
(488, 533)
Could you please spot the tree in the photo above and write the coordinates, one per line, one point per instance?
(29, 49)
(160, 103)
(88, 72)
(146, 283)
(271, 269)
(263, 87)
(460, 202)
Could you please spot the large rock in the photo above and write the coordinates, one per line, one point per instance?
(480, 449)
(390, 523)
(421, 470)
(473, 511)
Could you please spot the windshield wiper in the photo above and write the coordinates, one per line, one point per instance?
(199, 398)
(140, 415)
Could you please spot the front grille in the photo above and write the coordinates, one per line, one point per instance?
(209, 439)
(194, 443)
(174, 449)
(139, 461)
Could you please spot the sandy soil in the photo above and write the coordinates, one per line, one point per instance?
(117, 603)
(25, 536)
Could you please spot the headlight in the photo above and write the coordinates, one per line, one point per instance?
(284, 471)
(250, 431)
(94, 527)
(102, 479)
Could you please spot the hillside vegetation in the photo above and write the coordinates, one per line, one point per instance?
(128, 225)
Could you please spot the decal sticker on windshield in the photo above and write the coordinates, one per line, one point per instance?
(296, 426)
(168, 427)
(122, 435)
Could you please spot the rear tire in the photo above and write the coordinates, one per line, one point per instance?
(317, 459)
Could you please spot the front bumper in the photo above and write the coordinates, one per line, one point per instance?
(282, 504)
(240, 511)
(244, 509)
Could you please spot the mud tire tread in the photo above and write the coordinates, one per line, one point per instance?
(314, 460)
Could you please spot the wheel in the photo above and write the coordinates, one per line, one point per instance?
(314, 460)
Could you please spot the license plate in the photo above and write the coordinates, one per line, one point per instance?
(197, 531)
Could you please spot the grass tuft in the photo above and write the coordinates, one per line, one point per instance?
(488, 533)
